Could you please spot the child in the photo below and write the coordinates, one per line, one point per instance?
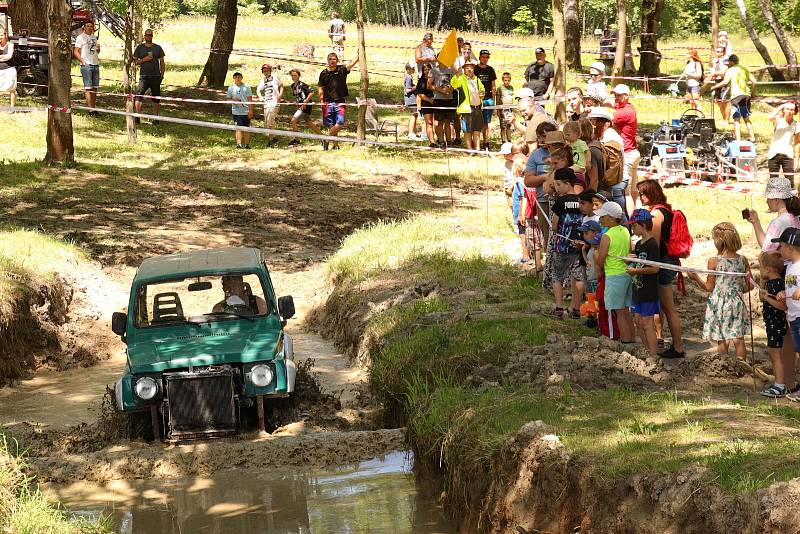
(533, 235)
(566, 221)
(726, 315)
(582, 160)
(303, 95)
(617, 291)
(790, 251)
(410, 100)
(590, 239)
(242, 113)
(560, 158)
(645, 280)
(587, 201)
(771, 266)
(505, 94)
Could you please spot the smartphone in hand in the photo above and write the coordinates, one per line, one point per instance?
(746, 214)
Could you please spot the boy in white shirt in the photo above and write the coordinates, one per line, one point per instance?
(269, 90)
(789, 242)
(87, 52)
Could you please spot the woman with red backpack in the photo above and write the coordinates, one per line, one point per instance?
(675, 242)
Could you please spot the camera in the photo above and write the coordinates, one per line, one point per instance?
(746, 214)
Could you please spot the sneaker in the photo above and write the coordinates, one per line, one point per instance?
(325, 145)
(412, 137)
(294, 142)
(575, 314)
(272, 143)
(661, 344)
(238, 146)
(455, 142)
(558, 312)
(423, 137)
(775, 391)
(336, 146)
(247, 147)
(137, 120)
(434, 145)
(671, 353)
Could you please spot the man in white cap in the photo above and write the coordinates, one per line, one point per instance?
(626, 124)
(596, 86)
(533, 113)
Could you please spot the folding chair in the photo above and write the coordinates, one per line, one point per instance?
(374, 124)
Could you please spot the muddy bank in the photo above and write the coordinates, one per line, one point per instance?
(537, 486)
(135, 460)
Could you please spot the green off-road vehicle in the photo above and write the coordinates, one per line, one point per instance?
(205, 342)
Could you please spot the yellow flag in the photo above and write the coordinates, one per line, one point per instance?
(449, 53)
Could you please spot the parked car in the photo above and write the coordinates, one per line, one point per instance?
(205, 342)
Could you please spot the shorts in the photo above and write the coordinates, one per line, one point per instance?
(591, 286)
(646, 309)
(794, 328)
(149, 82)
(740, 107)
(618, 292)
(520, 229)
(488, 113)
(631, 160)
(443, 111)
(566, 267)
(333, 113)
(91, 76)
(693, 90)
(270, 115)
(776, 334)
(300, 112)
(472, 121)
(241, 120)
(412, 109)
(666, 276)
(533, 233)
(723, 93)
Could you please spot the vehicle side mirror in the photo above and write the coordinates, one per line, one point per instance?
(286, 307)
(119, 323)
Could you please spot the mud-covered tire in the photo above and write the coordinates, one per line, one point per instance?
(36, 78)
(140, 426)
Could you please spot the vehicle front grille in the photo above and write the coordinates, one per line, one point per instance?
(200, 404)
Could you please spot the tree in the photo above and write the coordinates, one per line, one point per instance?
(29, 15)
(440, 14)
(572, 27)
(774, 73)
(60, 147)
(216, 68)
(650, 57)
(560, 53)
(622, 37)
(714, 27)
(361, 124)
(780, 35)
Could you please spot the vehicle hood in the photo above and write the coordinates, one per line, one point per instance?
(202, 348)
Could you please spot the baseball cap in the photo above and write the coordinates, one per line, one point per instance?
(600, 112)
(597, 66)
(595, 240)
(789, 236)
(778, 187)
(602, 195)
(470, 63)
(539, 50)
(612, 209)
(266, 66)
(566, 175)
(640, 215)
(525, 92)
(484, 53)
(506, 148)
(621, 89)
(555, 138)
(590, 226)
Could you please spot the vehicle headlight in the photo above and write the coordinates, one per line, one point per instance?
(261, 375)
(145, 388)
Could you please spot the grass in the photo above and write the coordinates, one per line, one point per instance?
(24, 510)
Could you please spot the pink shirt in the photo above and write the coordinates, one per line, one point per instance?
(776, 228)
(625, 123)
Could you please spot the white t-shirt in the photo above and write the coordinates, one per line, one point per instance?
(792, 285)
(337, 30)
(783, 138)
(612, 135)
(88, 46)
(597, 89)
(460, 60)
(268, 90)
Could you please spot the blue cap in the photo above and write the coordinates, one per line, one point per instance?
(590, 225)
(640, 215)
(595, 240)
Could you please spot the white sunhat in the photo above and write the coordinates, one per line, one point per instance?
(778, 187)
(600, 112)
(612, 209)
(621, 89)
(506, 148)
(597, 66)
(525, 92)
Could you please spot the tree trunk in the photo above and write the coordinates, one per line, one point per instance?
(129, 72)
(649, 56)
(775, 74)
(572, 27)
(714, 28)
(780, 35)
(476, 23)
(216, 68)
(560, 55)
(622, 36)
(361, 124)
(29, 15)
(439, 15)
(60, 147)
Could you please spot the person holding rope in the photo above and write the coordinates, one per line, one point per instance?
(333, 94)
(303, 95)
(784, 150)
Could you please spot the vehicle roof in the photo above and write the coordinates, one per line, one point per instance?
(198, 262)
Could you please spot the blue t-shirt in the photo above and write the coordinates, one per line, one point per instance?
(409, 87)
(243, 93)
(516, 195)
(537, 166)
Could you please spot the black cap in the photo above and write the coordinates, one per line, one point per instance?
(484, 52)
(790, 236)
(235, 74)
(566, 175)
(539, 50)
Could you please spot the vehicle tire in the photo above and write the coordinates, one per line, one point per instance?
(37, 78)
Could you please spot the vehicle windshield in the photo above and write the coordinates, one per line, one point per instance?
(201, 299)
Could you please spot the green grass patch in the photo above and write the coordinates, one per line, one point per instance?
(23, 508)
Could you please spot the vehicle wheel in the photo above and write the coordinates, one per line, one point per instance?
(31, 82)
(140, 426)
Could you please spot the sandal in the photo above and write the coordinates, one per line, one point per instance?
(775, 391)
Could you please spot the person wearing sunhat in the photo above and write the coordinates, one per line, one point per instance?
(488, 77)
(781, 200)
(626, 123)
(540, 76)
(269, 90)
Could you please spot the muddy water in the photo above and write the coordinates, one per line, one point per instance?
(373, 496)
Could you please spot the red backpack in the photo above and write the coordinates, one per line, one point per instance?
(680, 240)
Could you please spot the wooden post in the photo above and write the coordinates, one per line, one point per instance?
(714, 27)
(262, 427)
(622, 38)
(361, 125)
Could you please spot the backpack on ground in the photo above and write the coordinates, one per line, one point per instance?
(613, 164)
(680, 240)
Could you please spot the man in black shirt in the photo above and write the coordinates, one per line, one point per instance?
(150, 59)
(488, 78)
(540, 76)
(332, 93)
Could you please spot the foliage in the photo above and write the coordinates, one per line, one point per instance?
(246, 7)
(152, 12)
(524, 19)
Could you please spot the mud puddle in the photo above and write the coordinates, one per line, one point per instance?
(378, 495)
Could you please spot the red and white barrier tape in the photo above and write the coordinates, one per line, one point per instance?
(667, 178)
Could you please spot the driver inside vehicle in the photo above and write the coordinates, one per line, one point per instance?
(236, 295)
